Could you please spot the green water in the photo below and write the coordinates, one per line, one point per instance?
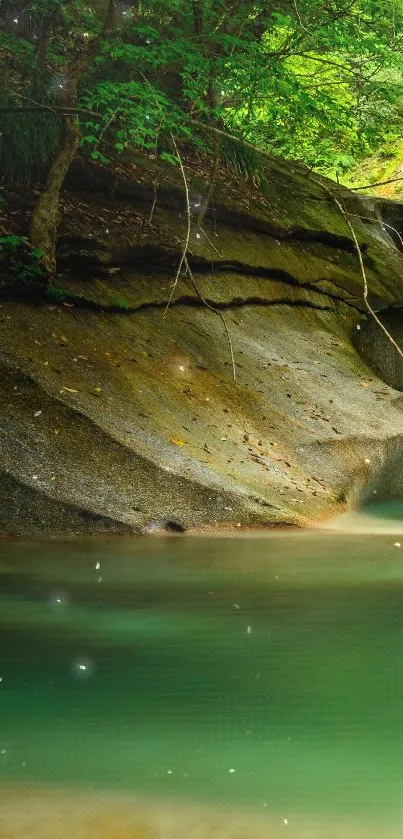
(262, 670)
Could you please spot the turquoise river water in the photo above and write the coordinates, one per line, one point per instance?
(203, 687)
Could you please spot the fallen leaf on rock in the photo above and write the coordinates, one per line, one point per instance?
(177, 441)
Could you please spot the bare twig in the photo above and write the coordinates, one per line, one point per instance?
(297, 12)
(210, 190)
(212, 245)
(220, 133)
(204, 126)
(209, 194)
(377, 221)
(155, 184)
(380, 183)
(60, 110)
(188, 216)
(337, 64)
(212, 309)
(106, 127)
(373, 314)
(184, 261)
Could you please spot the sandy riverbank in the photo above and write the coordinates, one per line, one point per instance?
(43, 813)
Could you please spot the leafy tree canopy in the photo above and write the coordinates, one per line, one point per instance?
(314, 80)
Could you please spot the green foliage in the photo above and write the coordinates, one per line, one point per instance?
(11, 241)
(316, 81)
(246, 162)
(119, 302)
(140, 116)
(27, 144)
(169, 158)
(334, 95)
(56, 293)
(23, 262)
(385, 165)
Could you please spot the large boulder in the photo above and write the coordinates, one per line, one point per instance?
(116, 412)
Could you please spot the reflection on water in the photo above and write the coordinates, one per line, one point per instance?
(232, 687)
(374, 518)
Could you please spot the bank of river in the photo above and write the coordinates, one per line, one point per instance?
(205, 687)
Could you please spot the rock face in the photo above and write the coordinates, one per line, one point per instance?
(116, 412)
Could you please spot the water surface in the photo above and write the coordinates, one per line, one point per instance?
(259, 676)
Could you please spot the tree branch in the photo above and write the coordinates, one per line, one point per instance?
(188, 217)
(380, 183)
(184, 261)
(382, 223)
(60, 110)
(43, 47)
(368, 306)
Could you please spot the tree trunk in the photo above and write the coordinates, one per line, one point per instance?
(45, 216)
(198, 17)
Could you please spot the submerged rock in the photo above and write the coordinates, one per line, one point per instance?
(162, 526)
